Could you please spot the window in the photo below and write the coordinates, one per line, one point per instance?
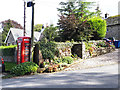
(13, 43)
(8, 44)
(107, 30)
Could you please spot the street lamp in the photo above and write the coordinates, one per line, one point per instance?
(31, 4)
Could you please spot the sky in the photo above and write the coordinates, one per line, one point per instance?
(45, 10)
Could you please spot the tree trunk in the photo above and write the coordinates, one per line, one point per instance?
(36, 54)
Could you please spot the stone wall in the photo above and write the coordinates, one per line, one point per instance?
(113, 20)
(98, 51)
(80, 50)
(68, 49)
(64, 49)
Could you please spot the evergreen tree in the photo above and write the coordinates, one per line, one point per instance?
(38, 27)
(7, 24)
(73, 20)
(5, 31)
(98, 11)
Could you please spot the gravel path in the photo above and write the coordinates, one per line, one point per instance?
(106, 59)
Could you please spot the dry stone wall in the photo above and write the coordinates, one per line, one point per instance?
(80, 50)
(64, 49)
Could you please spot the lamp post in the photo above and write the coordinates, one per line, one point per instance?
(31, 4)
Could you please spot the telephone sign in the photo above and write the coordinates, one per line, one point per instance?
(23, 49)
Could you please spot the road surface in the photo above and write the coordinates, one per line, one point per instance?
(100, 77)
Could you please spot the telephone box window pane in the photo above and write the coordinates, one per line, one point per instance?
(26, 43)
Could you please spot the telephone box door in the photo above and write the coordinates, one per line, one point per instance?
(23, 50)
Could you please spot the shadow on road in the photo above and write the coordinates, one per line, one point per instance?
(65, 80)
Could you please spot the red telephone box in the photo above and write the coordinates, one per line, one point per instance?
(23, 49)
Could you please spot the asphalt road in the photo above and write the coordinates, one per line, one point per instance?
(100, 77)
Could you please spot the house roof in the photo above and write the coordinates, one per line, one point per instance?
(19, 33)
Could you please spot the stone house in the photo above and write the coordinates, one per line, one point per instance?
(113, 27)
(14, 33)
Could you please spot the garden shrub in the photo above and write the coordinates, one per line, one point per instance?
(42, 65)
(9, 65)
(49, 69)
(7, 50)
(99, 27)
(24, 68)
(40, 70)
(47, 54)
(67, 60)
(91, 51)
(88, 45)
(57, 60)
(102, 44)
(112, 46)
(49, 49)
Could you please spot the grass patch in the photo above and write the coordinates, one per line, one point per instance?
(9, 65)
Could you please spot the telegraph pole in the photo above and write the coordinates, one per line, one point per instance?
(24, 18)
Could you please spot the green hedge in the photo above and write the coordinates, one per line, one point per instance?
(99, 27)
(7, 50)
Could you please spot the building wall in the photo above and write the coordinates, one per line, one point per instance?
(11, 40)
(113, 27)
(113, 31)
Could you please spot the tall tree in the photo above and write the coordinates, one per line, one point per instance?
(7, 24)
(50, 32)
(6, 28)
(98, 11)
(73, 18)
(38, 27)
